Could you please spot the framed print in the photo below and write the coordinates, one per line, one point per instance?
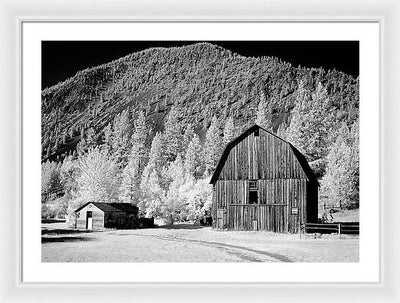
(201, 154)
(256, 161)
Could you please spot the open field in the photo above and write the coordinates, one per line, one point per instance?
(188, 243)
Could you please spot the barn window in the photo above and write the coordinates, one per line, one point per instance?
(253, 185)
(253, 192)
(256, 132)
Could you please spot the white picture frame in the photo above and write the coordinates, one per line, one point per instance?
(11, 287)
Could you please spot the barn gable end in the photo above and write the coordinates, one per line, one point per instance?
(259, 154)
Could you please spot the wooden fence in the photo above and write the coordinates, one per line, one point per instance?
(350, 228)
(331, 206)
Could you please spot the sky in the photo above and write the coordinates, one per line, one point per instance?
(63, 59)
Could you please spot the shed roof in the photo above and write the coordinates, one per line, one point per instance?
(300, 157)
(112, 207)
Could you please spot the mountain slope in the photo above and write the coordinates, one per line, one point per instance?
(201, 80)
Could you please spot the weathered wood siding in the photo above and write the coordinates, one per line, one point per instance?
(262, 157)
(282, 194)
(258, 217)
(116, 219)
(282, 185)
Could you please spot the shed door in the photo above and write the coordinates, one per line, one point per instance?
(89, 220)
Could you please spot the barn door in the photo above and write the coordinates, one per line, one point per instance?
(279, 218)
(89, 220)
(221, 218)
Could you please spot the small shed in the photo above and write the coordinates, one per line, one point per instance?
(262, 182)
(97, 215)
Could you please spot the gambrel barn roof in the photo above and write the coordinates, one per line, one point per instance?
(299, 156)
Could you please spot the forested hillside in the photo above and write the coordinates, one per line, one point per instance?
(147, 117)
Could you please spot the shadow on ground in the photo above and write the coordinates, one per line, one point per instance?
(64, 239)
(181, 226)
(64, 231)
(47, 221)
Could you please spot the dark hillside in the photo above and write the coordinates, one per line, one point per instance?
(201, 80)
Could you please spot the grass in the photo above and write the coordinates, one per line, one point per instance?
(344, 215)
(188, 243)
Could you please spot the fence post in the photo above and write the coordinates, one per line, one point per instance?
(339, 231)
(300, 229)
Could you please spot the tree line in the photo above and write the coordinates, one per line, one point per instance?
(166, 173)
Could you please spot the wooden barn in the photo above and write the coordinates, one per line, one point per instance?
(263, 182)
(96, 215)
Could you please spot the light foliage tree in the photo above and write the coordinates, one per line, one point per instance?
(199, 198)
(212, 146)
(340, 185)
(174, 202)
(98, 181)
(69, 173)
(229, 131)
(153, 196)
(51, 182)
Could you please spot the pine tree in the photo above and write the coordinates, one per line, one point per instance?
(193, 164)
(212, 146)
(311, 123)
(172, 136)
(121, 138)
(91, 140)
(130, 186)
(156, 159)
(188, 136)
(139, 140)
(107, 138)
(264, 114)
(229, 131)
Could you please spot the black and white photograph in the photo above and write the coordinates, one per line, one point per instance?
(200, 151)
